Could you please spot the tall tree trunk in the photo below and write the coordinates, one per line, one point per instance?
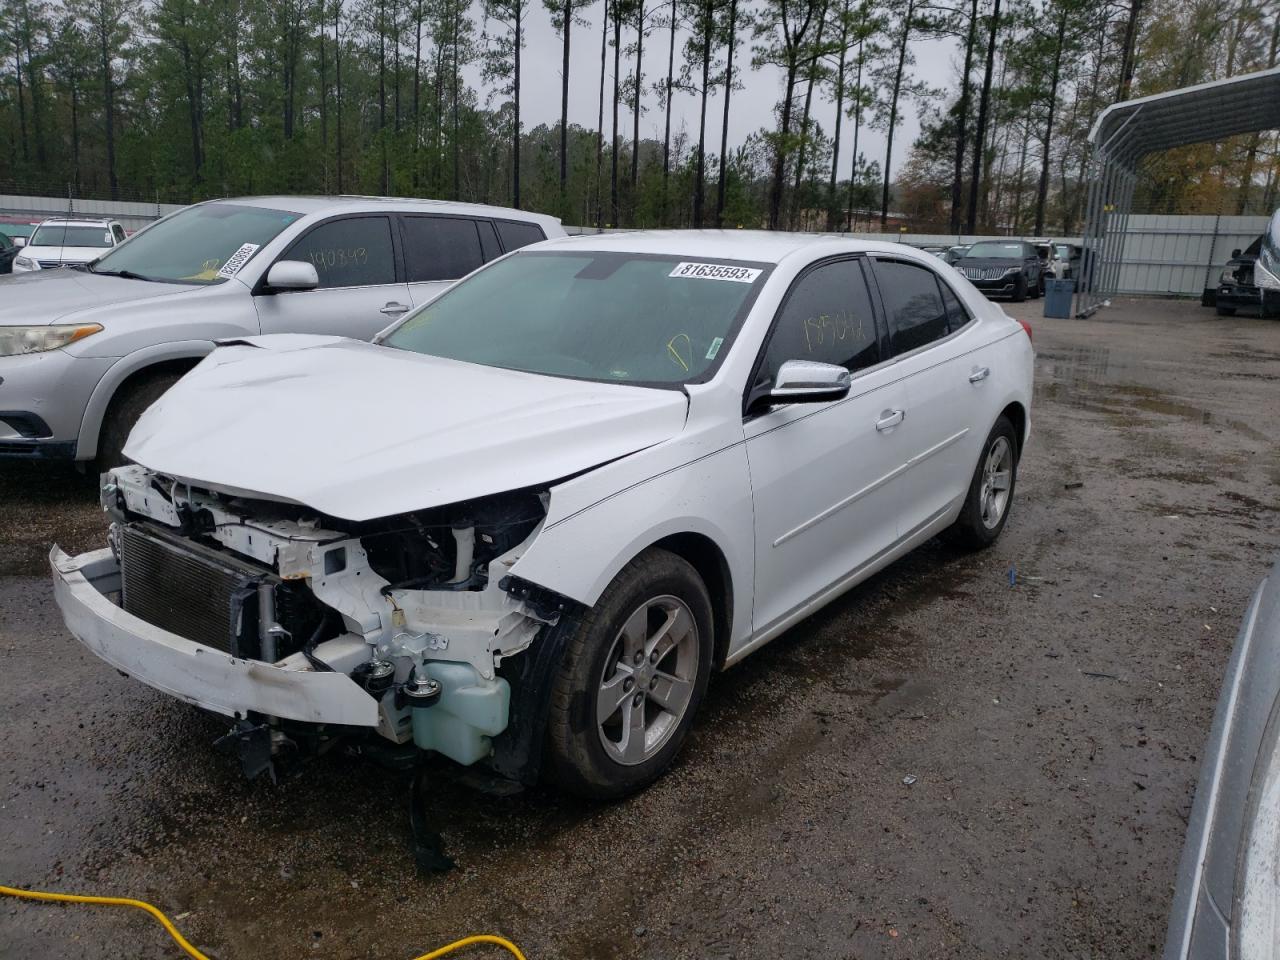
(980, 134)
(337, 89)
(804, 122)
(1251, 155)
(666, 140)
(708, 29)
(857, 129)
(613, 177)
(22, 104)
(454, 94)
(1127, 48)
(962, 119)
(108, 100)
(604, 51)
(33, 85)
(893, 111)
(1042, 193)
(382, 96)
(75, 129)
(193, 108)
(724, 124)
(832, 214)
(780, 154)
(564, 105)
(635, 107)
(515, 133)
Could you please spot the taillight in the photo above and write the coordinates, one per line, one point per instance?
(1027, 327)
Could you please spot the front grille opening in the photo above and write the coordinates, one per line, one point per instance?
(207, 596)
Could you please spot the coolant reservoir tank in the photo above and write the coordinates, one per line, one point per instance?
(469, 712)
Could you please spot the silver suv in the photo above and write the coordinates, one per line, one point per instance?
(83, 351)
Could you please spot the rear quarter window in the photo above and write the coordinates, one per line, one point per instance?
(515, 234)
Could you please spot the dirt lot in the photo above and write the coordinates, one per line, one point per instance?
(1053, 726)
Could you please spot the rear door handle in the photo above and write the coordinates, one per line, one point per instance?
(393, 309)
(889, 419)
(979, 374)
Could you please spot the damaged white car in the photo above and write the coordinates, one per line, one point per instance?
(524, 526)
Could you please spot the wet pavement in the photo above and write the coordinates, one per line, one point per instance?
(1053, 729)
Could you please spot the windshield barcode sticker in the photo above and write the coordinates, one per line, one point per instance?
(716, 271)
(238, 260)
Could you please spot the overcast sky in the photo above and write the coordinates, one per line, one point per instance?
(752, 106)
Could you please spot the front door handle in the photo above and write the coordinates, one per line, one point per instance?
(979, 374)
(394, 309)
(889, 419)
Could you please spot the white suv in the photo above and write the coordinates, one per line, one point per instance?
(63, 241)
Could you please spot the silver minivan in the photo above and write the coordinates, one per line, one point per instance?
(83, 351)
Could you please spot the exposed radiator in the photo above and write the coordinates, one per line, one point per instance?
(188, 590)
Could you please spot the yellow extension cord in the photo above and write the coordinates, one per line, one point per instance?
(195, 954)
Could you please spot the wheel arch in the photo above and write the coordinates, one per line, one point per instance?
(177, 357)
(1017, 415)
(705, 556)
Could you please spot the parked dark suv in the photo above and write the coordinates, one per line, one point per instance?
(1236, 287)
(1003, 268)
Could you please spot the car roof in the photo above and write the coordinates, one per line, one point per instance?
(78, 221)
(356, 204)
(763, 246)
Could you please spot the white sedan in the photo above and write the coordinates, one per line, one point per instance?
(527, 523)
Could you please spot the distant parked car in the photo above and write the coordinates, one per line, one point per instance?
(1061, 260)
(1226, 905)
(952, 255)
(1004, 268)
(84, 351)
(62, 242)
(1237, 288)
(8, 251)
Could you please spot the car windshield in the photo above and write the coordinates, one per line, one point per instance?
(995, 250)
(590, 315)
(204, 244)
(64, 235)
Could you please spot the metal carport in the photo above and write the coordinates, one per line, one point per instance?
(1126, 132)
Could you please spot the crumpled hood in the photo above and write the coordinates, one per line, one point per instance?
(48, 296)
(360, 431)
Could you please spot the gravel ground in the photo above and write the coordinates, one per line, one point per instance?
(1053, 728)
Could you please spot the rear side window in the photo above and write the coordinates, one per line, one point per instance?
(352, 252)
(441, 248)
(827, 317)
(912, 303)
(515, 234)
(957, 315)
(119, 233)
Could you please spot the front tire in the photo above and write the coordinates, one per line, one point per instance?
(633, 675)
(1020, 289)
(123, 412)
(990, 496)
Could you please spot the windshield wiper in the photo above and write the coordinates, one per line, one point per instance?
(127, 274)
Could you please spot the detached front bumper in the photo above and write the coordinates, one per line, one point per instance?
(191, 671)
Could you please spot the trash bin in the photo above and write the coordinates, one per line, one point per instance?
(1057, 298)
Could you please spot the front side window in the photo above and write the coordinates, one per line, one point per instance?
(912, 303)
(194, 245)
(64, 235)
(591, 315)
(827, 317)
(440, 248)
(351, 252)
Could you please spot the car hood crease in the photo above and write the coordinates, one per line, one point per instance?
(359, 431)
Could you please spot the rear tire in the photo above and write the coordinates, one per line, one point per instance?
(645, 646)
(990, 496)
(123, 412)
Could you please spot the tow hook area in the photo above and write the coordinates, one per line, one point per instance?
(252, 744)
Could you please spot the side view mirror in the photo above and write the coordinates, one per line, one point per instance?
(807, 381)
(1235, 253)
(292, 275)
(19, 241)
